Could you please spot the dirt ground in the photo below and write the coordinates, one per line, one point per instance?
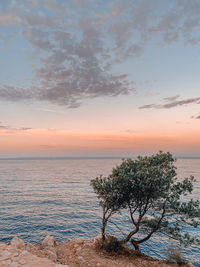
(80, 253)
(74, 253)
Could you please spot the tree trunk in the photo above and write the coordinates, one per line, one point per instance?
(103, 230)
(135, 244)
(104, 223)
(131, 234)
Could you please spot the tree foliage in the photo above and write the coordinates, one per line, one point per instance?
(148, 189)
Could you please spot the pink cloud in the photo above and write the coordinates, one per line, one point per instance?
(9, 19)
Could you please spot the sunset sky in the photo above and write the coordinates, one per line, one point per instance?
(99, 77)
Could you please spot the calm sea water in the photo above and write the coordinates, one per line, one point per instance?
(40, 197)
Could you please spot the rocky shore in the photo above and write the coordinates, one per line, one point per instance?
(74, 253)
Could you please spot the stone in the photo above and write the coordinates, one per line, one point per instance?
(189, 264)
(78, 249)
(80, 258)
(24, 252)
(14, 264)
(3, 245)
(5, 255)
(95, 240)
(22, 261)
(79, 241)
(61, 265)
(48, 242)
(29, 247)
(15, 254)
(51, 255)
(16, 242)
(5, 263)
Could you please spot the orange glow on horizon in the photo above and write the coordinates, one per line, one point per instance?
(41, 140)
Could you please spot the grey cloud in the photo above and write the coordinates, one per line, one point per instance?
(73, 71)
(78, 54)
(167, 22)
(85, 80)
(193, 41)
(33, 3)
(38, 20)
(196, 117)
(173, 103)
(133, 51)
(13, 129)
(148, 106)
(192, 8)
(9, 19)
(171, 98)
(38, 38)
(191, 24)
(11, 93)
(181, 102)
(170, 37)
(51, 5)
(121, 32)
(138, 18)
(146, 19)
(131, 131)
(26, 20)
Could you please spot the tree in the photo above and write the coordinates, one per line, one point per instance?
(148, 189)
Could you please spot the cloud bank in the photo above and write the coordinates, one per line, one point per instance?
(80, 43)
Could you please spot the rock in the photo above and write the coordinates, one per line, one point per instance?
(189, 264)
(5, 263)
(33, 261)
(95, 240)
(5, 255)
(23, 252)
(29, 247)
(78, 249)
(51, 254)
(17, 243)
(15, 254)
(14, 264)
(22, 261)
(79, 241)
(81, 259)
(61, 265)
(48, 245)
(3, 245)
(48, 242)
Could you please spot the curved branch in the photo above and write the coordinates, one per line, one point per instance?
(155, 228)
(130, 235)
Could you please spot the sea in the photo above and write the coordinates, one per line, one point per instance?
(40, 197)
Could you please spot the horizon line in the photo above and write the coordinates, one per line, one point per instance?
(85, 157)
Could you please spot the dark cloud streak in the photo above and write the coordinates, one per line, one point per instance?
(13, 129)
(172, 104)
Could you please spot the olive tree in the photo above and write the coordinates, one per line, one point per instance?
(148, 189)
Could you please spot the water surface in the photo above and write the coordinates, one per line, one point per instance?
(40, 197)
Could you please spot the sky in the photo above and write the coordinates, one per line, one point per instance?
(99, 77)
